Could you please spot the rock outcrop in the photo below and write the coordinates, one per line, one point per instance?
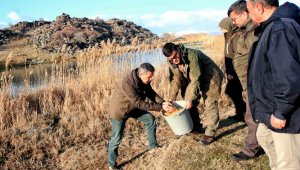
(6, 35)
(69, 35)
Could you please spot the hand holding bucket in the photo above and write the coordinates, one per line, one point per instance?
(180, 121)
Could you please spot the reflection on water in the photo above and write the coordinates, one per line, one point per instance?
(133, 60)
(34, 76)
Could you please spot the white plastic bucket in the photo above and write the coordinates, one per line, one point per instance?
(180, 123)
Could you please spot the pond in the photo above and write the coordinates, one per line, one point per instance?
(32, 77)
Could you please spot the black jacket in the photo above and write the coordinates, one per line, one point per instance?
(274, 69)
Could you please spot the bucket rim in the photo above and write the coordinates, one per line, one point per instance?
(178, 101)
(177, 114)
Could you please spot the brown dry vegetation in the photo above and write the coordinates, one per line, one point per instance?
(64, 124)
(18, 52)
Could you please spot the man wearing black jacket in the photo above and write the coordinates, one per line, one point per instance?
(274, 81)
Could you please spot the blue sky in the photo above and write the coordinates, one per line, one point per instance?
(159, 16)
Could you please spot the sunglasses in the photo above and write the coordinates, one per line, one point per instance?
(175, 56)
(234, 19)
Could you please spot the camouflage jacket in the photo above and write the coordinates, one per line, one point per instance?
(244, 44)
(231, 42)
(195, 67)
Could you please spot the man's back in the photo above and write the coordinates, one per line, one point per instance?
(131, 93)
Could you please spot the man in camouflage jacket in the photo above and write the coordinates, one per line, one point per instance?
(196, 75)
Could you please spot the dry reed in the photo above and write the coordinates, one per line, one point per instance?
(64, 124)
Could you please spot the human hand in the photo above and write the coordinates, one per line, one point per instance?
(168, 107)
(188, 105)
(277, 123)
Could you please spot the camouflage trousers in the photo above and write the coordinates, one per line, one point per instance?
(210, 93)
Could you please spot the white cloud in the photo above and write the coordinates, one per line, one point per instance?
(106, 17)
(14, 16)
(175, 21)
(183, 32)
(173, 18)
(184, 22)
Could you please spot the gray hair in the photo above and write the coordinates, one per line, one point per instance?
(146, 67)
(267, 3)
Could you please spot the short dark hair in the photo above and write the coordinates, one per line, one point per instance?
(239, 7)
(146, 67)
(268, 3)
(169, 48)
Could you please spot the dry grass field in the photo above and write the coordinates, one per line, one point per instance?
(64, 124)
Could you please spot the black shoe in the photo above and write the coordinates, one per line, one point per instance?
(240, 156)
(237, 118)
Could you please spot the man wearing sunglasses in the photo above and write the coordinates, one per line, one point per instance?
(196, 75)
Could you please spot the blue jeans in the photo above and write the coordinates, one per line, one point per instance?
(118, 129)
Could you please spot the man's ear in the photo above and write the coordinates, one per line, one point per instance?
(259, 7)
(245, 13)
(140, 74)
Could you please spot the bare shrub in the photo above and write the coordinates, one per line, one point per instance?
(91, 34)
(69, 32)
(168, 37)
(56, 35)
(80, 36)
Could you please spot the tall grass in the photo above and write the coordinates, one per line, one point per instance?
(64, 124)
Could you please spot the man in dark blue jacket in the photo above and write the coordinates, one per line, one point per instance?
(274, 81)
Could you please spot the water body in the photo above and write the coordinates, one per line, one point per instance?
(33, 77)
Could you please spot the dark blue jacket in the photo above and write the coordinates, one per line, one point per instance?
(274, 69)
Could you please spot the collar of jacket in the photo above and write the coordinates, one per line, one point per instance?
(183, 54)
(250, 26)
(235, 29)
(286, 10)
(135, 78)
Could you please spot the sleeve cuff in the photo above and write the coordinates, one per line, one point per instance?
(279, 116)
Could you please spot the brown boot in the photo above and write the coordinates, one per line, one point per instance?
(206, 140)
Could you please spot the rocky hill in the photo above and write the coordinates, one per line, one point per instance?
(69, 35)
